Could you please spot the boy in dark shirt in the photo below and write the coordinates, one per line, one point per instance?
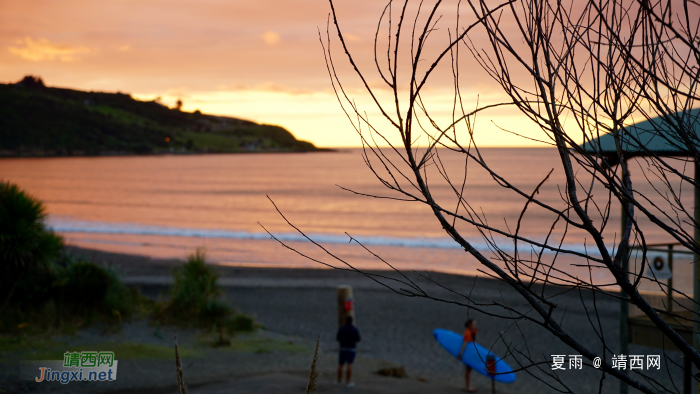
(348, 336)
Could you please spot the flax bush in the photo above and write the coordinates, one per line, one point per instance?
(194, 300)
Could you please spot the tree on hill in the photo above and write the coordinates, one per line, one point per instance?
(31, 82)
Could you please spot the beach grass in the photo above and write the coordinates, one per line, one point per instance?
(29, 348)
(123, 350)
(255, 343)
(194, 301)
(47, 348)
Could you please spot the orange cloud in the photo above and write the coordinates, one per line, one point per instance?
(351, 37)
(270, 37)
(43, 50)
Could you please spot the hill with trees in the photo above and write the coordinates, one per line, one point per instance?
(36, 120)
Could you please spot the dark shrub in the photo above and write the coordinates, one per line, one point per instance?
(214, 311)
(119, 297)
(241, 323)
(42, 286)
(85, 284)
(71, 292)
(26, 245)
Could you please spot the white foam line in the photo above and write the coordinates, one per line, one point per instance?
(94, 227)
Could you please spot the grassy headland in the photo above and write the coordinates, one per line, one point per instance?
(36, 120)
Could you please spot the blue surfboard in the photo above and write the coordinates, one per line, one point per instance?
(474, 355)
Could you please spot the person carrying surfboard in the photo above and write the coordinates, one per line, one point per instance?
(348, 336)
(469, 336)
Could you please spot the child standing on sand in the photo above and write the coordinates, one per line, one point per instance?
(469, 336)
(348, 336)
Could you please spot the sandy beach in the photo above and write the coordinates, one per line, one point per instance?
(295, 306)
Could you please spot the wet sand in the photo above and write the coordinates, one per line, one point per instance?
(300, 304)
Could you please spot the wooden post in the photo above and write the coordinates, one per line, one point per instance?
(624, 306)
(670, 280)
(687, 379)
(491, 369)
(688, 370)
(696, 271)
(346, 304)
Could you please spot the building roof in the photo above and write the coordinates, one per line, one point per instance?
(656, 135)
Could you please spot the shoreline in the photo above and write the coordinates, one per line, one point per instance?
(175, 153)
(5, 155)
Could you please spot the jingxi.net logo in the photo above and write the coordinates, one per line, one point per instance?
(83, 366)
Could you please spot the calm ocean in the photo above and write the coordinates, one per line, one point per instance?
(167, 206)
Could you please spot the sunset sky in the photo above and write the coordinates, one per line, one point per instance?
(258, 60)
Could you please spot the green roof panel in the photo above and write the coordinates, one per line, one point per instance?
(658, 135)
